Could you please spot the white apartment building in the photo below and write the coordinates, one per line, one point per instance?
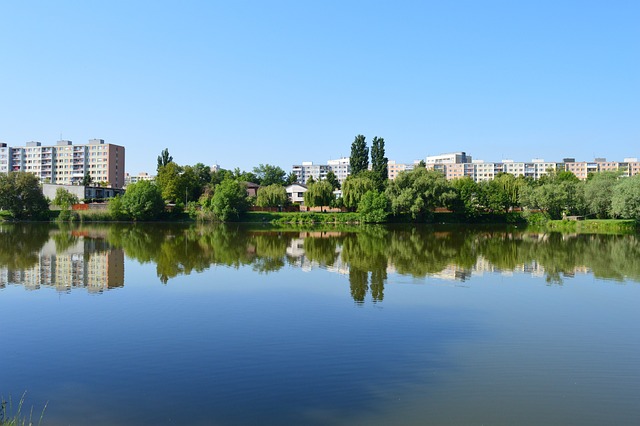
(67, 164)
(341, 168)
(307, 169)
(452, 157)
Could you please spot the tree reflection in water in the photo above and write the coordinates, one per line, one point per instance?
(366, 253)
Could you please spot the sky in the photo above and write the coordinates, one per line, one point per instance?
(242, 83)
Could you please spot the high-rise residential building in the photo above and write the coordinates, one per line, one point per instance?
(452, 157)
(307, 169)
(341, 168)
(67, 164)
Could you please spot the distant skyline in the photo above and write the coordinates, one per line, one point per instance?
(281, 82)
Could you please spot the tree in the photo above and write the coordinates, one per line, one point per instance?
(598, 191)
(164, 158)
(332, 179)
(354, 187)
(422, 164)
(87, 179)
(64, 199)
(170, 182)
(359, 160)
(311, 180)
(20, 193)
(143, 201)
(418, 192)
(556, 197)
(270, 175)
(272, 196)
(230, 200)
(468, 196)
(373, 207)
(379, 163)
(318, 194)
(625, 200)
(291, 178)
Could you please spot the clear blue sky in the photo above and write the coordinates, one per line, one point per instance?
(240, 83)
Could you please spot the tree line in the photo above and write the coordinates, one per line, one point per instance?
(414, 195)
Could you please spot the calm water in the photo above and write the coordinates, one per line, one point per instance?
(245, 325)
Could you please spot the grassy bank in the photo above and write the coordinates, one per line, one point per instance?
(613, 226)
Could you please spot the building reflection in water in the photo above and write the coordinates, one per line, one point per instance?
(88, 263)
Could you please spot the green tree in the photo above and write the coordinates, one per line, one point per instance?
(272, 196)
(291, 178)
(418, 192)
(469, 196)
(379, 163)
(164, 158)
(598, 191)
(318, 194)
(270, 175)
(20, 194)
(143, 201)
(333, 180)
(87, 180)
(556, 198)
(170, 181)
(422, 164)
(359, 160)
(229, 200)
(64, 199)
(373, 207)
(625, 200)
(219, 175)
(354, 187)
(116, 208)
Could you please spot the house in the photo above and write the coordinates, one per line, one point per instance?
(252, 189)
(295, 192)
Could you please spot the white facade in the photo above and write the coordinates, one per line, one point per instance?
(295, 192)
(65, 163)
(341, 168)
(452, 157)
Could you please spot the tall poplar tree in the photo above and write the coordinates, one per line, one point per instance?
(359, 160)
(379, 162)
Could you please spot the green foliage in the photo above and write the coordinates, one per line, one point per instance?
(272, 196)
(87, 180)
(598, 192)
(318, 194)
(270, 175)
(625, 200)
(116, 208)
(291, 178)
(379, 164)
(359, 159)
(20, 193)
(556, 197)
(354, 188)
(170, 183)
(333, 180)
(229, 201)
(163, 159)
(373, 207)
(468, 196)
(142, 201)
(418, 192)
(64, 199)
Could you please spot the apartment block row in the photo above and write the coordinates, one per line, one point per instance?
(459, 164)
(479, 170)
(65, 163)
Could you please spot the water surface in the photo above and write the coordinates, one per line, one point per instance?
(229, 325)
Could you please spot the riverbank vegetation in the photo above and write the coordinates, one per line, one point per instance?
(367, 195)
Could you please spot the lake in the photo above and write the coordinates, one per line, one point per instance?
(247, 324)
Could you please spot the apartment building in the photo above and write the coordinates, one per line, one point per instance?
(341, 168)
(67, 164)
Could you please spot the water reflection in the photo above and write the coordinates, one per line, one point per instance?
(92, 257)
